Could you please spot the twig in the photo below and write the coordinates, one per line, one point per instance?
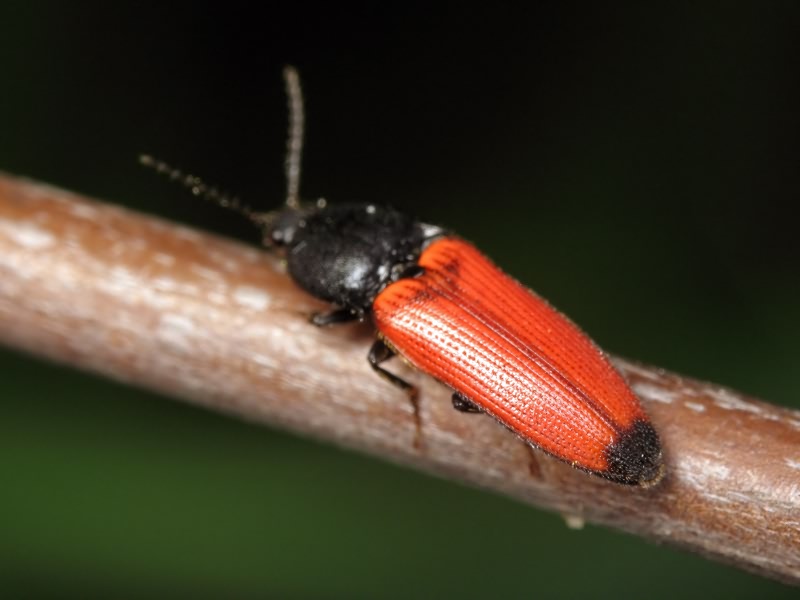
(217, 323)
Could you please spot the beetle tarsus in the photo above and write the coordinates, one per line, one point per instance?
(463, 404)
(534, 470)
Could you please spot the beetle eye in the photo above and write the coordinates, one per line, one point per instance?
(282, 229)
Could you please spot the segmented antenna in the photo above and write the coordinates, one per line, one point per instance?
(294, 151)
(201, 189)
(294, 141)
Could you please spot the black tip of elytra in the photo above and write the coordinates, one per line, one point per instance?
(635, 458)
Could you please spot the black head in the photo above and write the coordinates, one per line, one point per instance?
(346, 254)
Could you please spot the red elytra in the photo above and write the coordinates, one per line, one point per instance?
(480, 332)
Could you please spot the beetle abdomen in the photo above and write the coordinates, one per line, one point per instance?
(480, 332)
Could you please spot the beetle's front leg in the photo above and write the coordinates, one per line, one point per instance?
(335, 317)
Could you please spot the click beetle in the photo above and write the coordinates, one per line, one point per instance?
(437, 301)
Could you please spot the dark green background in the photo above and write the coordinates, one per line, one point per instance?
(636, 165)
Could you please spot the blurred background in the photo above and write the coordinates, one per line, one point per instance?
(638, 166)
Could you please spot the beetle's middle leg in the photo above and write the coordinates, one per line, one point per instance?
(380, 353)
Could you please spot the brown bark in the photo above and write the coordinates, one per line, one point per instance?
(217, 323)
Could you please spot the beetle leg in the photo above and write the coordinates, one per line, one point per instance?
(380, 353)
(463, 404)
(411, 271)
(335, 317)
(533, 462)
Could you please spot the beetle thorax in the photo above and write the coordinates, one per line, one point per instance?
(347, 254)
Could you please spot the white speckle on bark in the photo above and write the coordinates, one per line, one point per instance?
(28, 236)
(176, 330)
(84, 211)
(709, 467)
(209, 274)
(217, 298)
(251, 297)
(725, 399)
(164, 284)
(639, 371)
(264, 360)
(695, 406)
(166, 260)
(654, 392)
(223, 262)
(124, 277)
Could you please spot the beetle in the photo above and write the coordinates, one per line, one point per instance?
(437, 301)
